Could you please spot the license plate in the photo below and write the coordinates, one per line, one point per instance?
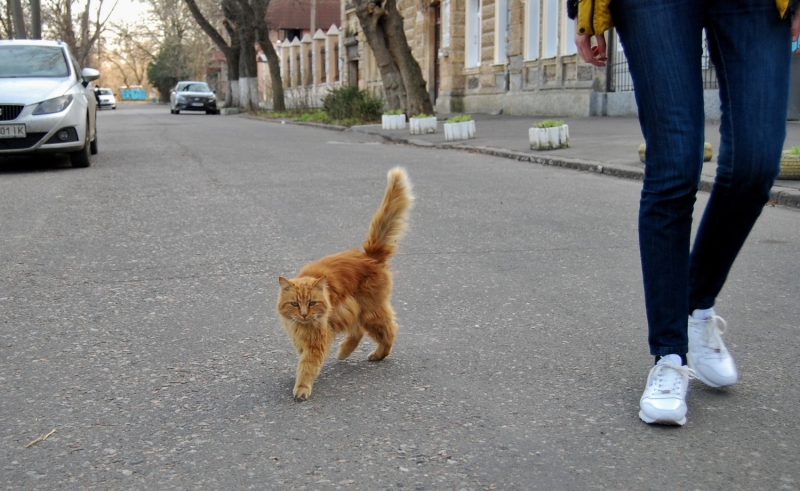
(197, 103)
(12, 131)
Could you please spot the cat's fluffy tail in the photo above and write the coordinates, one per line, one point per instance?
(391, 220)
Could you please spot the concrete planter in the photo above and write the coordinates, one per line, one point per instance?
(549, 138)
(459, 131)
(393, 121)
(422, 126)
(790, 167)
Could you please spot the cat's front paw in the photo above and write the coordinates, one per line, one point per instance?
(302, 392)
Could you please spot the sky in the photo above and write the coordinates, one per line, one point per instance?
(126, 10)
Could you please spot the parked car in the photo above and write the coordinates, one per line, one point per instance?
(46, 105)
(190, 95)
(106, 98)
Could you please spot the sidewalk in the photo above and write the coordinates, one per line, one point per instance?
(601, 144)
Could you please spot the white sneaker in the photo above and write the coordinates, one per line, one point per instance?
(707, 353)
(664, 398)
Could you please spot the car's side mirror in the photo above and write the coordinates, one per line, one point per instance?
(89, 75)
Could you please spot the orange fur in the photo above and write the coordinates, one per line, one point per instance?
(347, 292)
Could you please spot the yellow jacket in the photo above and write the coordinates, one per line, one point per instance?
(594, 17)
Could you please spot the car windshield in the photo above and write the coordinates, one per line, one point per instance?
(195, 87)
(106, 92)
(18, 61)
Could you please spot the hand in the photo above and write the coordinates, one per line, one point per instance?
(596, 55)
(796, 29)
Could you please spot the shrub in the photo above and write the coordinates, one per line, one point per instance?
(794, 151)
(460, 119)
(423, 115)
(549, 123)
(393, 112)
(349, 103)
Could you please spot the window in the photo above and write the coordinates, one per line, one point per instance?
(500, 31)
(532, 30)
(473, 33)
(568, 44)
(551, 28)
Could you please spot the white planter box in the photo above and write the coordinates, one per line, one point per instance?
(459, 131)
(422, 126)
(549, 138)
(393, 121)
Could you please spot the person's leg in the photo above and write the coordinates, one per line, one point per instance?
(662, 40)
(750, 47)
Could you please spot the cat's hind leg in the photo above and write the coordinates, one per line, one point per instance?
(350, 342)
(382, 328)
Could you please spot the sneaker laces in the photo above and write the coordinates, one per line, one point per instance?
(712, 334)
(664, 380)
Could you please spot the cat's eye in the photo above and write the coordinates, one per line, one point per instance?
(312, 303)
(295, 304)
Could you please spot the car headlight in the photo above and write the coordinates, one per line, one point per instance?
(53, 105)
(180, 98)
(212, 98)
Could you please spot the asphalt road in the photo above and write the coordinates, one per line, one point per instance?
(137, 320)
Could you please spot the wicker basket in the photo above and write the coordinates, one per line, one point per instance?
(790, 167)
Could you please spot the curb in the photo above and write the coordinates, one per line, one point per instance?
(779, 195)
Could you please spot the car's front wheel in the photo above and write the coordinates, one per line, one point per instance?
(82, 156)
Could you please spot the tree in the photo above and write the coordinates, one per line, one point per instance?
(403, 83)
(258, 12)
(231, 50)
(183, 51)
(79, 25)
(128, 56)
(245, 25)
(167, 68)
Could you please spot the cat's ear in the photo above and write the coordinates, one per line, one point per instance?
(285, 285)
(321, 283)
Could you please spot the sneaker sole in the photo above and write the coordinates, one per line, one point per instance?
(671, 422)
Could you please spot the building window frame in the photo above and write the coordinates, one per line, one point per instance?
(473, 34)
(501, 17)
(551, 29)
(533, 20)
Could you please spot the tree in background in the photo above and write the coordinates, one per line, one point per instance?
(257, 10)
(403, 83)
(167, 68)
(182, 49)
(231, 49)
(245, 25)
(77, 23)
(127, 56)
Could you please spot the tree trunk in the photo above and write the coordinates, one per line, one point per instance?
(273, 61)
(248, 68)
(18, 19)
(403, 83)
(231, 51)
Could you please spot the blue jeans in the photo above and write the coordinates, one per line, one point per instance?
(750, 46)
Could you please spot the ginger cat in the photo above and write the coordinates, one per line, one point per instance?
(347, 292)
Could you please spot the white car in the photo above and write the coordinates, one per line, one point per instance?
(106, 98)
(46, 105)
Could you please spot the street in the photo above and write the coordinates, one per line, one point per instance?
(137, 302)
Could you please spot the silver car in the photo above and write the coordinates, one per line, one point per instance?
(46, 103)
(192, 95)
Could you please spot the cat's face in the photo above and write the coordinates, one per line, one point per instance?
(303, 300)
